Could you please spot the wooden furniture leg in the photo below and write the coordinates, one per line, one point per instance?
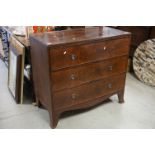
(36, 102)
(121, 96)
(54, 120)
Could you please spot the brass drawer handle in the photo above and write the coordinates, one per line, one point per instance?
(73, 57)
(109, 85)
(110, 68)
(74, 96)
(72, 77)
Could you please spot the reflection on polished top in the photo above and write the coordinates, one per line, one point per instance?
(78, 35)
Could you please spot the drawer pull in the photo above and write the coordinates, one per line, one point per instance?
(72, 77)
(74, 96)
(105, 48)
(109, 85)
(110, 68)
(73, 57)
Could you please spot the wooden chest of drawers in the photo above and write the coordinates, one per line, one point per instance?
(79, 68)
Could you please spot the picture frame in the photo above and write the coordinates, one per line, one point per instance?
(16, 69)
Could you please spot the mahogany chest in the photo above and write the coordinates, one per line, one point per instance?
(78, 68)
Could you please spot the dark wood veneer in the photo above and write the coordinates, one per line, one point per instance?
(71, 77)
(75, 55)
(80, 68)
(87, 92)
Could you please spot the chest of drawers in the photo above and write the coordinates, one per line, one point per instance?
(76, 69)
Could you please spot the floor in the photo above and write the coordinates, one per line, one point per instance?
(137, 112)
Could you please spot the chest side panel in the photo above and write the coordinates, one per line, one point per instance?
(41, 74)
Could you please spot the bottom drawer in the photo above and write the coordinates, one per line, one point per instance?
(89, 91)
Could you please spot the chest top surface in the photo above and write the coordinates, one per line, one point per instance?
(81, 35)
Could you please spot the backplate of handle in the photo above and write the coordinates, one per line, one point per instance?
(109, 85)
(72, 77)
(73, 56)
(110, 68)
(74, 96)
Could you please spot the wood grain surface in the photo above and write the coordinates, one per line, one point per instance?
(78, 68)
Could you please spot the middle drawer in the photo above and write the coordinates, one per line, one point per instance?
(72, 77)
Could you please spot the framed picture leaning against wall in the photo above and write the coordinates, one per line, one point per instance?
(16, 69)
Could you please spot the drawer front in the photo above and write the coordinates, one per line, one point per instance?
(76, 55)
(88, 92)
(71, 77)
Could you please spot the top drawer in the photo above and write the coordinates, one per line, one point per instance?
(63, 57)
